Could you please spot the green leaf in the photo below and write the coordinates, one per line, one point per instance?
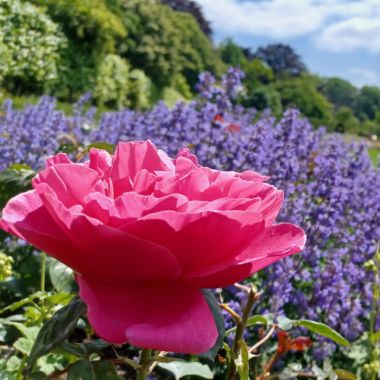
(21, 303)
(62, 277)
(219, 321)
(57, 329)
(84, 349)
(241, 362)
(180, 369)
(98, 370)
(110, 148)
(284, 323)
(344, 375)
(375, 336)
(322, 329)
(254, 320)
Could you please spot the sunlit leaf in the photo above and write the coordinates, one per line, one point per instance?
(181, 369)
(323, 330)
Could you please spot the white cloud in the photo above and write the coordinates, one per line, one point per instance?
(352, 34)
(361, 77)
(337, 25)
(276, 18)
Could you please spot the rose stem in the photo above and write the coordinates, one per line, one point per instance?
(145, 362)
(253, 296)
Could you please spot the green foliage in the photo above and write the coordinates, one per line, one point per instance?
(91, 30)
(265, 97)
(367, 103)
(231, 53)
(93, 370)
(345, 121)
(56, 330)
(302, 93)
(140, 89)
(111, 87)
(256, 74)
(339, 92)
(31, 45)
(163, 42)
(181, 369)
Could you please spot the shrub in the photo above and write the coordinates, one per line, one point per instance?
(111, 86)
(31, 43)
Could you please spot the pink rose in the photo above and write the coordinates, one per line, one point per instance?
(145, 233)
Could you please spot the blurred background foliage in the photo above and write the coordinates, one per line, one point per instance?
(136, 52)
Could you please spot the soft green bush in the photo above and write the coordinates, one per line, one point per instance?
(111, 86)
(302, 93)
(30, 47)
(163, 42)
(92, 31)
(140, 90)
(264, 97)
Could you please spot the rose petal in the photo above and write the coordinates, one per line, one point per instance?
(276, 243)
(26, 217)
(198, 240)
(130, 158)
(71, 182)
(172, 317)
(110, 254)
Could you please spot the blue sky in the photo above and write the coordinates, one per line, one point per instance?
(333, 37)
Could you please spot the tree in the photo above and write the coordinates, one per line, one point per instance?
(231, 53)
(92, 31)
(194, 9)
(302, 93)
(367, 103)
(345, 121)
(339, 92)
(163, 42)
(257, 73)
(31, 45)
(264, 97)
(282, 59)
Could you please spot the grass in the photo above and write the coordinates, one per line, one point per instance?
(374, 153)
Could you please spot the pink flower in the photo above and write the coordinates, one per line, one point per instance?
(145, 233)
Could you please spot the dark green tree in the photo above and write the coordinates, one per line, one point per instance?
(282, 59)
(339, 92)
(163, 42)
(367, 103)
(302, 93)
(194, 9)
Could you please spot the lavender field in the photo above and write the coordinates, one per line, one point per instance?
(331, 190)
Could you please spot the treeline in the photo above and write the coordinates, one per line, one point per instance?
(135, 52)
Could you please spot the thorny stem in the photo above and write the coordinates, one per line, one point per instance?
(253, 296)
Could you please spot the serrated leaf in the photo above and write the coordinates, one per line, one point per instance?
(219, 321)
(57, 329)
(181, 369)
(284, 323)
(62, 277)
(323, 330)
(98, 370)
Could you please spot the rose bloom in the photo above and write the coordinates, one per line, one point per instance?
(145, 233)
